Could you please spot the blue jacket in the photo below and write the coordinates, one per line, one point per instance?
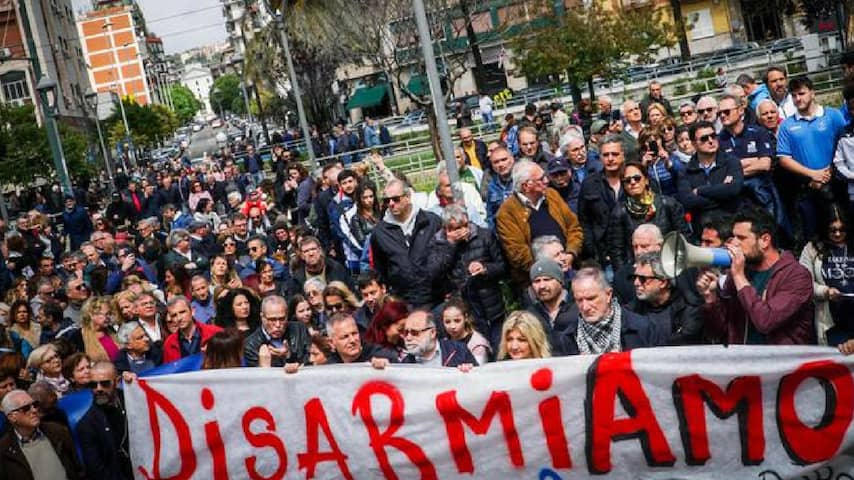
(761, 93)
(496, 192)
(77, 225)
(115, 277)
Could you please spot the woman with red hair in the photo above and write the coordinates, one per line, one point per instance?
(386, 327)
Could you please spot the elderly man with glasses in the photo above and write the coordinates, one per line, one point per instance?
(424, 347)
(32, 449)
(278, 343)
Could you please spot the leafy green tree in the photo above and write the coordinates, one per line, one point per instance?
(583, 42)
(25, 152)
(149, 125)
(226, 92)
(186, 104)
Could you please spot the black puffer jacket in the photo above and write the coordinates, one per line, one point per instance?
(401, 263)
(449, 263)
(668, 217)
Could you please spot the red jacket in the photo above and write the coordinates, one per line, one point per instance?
(785, 312)
(172, 347)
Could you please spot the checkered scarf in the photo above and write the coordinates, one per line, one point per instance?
(602, 336)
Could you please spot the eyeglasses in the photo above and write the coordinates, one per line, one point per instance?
(685, 113)
(414, 332)
(256, 219)
(725, 113)
(395, 199)
(633, 179)
(26, 408)
(706, 110)
(335, 307)
(99, 383)
(836, 230)
(707, 137)
(643, 279)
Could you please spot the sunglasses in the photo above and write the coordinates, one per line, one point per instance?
(686, 113)
(643, 279)
(99, 383)
(706, 110)
(633, 179)
(725, 113)
(335, 307)
(26, 408)
(707, 137)
(395, 199)
(412, 332)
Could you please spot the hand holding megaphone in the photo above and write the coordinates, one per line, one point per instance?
(677, 255)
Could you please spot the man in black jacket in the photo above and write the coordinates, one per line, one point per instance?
(600, 193)
(711, 182)
(468, 259)
(348, 345)
(661, 301)
(102, 431)
(400, 244)
(314, 263)
(286, 342)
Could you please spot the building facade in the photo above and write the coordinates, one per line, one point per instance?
(199, 80)
(57, 52)
(115, 53)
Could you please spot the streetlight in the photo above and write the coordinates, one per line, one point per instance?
(237, 61)
(48, 92)
(274, 6)
(92, 100)
(108, 30)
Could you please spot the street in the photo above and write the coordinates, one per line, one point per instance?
(203, 142)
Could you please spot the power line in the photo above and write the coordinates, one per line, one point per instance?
(188, 12)
(191, 30)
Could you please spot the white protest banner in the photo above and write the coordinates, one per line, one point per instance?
(689, 412)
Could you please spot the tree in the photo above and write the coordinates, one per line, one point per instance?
(186, 104)
(25, 152)
(149, 125)
(226, 92)
(584, 42)
(382, 33)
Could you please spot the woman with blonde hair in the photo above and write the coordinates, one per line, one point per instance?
(99, 338)
(337, 296)
(522, 336)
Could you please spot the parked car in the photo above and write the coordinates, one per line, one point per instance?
(216, 123)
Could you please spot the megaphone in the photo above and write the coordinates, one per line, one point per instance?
(677, 255)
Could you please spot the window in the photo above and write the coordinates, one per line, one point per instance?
(701, 24)
(15, 87)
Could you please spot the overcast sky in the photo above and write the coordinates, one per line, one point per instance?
(181, 24)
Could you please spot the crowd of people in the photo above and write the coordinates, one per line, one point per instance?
(550, 246)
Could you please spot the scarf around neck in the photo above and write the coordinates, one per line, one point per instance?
(602, 336)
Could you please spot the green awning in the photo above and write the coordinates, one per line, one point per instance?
(367, 97)
(418, 85)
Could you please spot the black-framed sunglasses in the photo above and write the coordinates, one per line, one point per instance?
(27, 408)
(707, 137)
(633, 179)
(395, 199)
(643, 279)
(99, 383)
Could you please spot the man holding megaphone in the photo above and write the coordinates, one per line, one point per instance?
(767, 296)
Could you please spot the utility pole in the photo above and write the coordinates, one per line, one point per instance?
(436, 95)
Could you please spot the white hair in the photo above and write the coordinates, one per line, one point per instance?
(648, 229)
(759, 105)
(522, 173)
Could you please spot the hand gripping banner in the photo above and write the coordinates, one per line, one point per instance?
(685, 412)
